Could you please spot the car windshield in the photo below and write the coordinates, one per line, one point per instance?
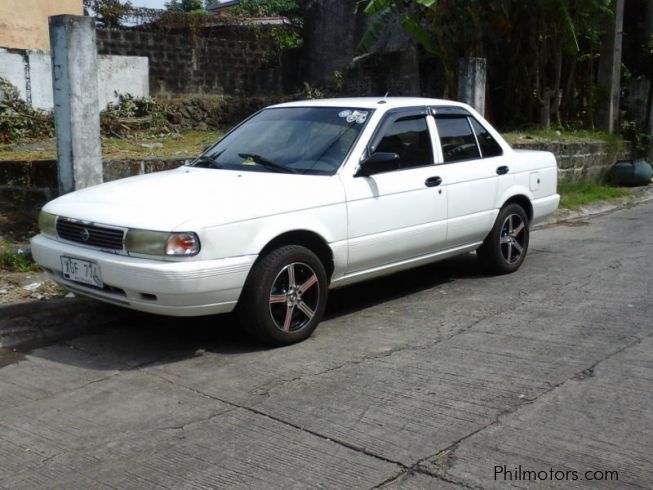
(304, 140)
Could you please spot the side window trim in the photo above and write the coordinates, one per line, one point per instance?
(389, 118)
(435, 140)
(478, 144)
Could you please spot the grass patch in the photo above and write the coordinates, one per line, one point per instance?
(553, 135)
(573, 195)
(13, 262)
(184, 145)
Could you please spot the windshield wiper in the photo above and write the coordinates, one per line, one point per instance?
(203, 160)
(264, 162)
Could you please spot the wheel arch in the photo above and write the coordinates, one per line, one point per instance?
(306, 238)
(522, 200)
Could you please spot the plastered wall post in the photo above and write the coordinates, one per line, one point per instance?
(76, 106)
(471, 82)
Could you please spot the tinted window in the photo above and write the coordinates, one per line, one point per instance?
(311, 140)
(489, 146)
(457, 140)
(409, 138)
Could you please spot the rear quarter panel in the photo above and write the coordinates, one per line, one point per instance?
(534, 174)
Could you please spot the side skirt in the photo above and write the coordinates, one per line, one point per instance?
(384, 270)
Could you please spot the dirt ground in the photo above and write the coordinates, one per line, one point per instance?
(17, 226)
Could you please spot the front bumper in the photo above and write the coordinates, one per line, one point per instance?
(184, 288)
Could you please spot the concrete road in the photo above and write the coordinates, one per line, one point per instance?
(435, 378)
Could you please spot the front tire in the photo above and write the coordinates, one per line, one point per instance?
(284, 297)
(504, 249)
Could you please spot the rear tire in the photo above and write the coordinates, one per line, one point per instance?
(284, 297)
(505, 247)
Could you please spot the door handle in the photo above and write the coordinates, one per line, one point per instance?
(433, 182)
(502, 170)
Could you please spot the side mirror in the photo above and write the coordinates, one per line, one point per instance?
(378, 162)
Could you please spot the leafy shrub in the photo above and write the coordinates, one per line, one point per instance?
(635, 132)
(13, 262)
(131, 114)
(18, 120)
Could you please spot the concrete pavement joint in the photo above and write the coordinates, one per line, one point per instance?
(390, 352)
(404, 468)
(452, 448)
(279, 420)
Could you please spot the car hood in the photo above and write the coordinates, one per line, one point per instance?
(191, 198)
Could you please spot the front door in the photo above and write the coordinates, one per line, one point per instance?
(400, 213)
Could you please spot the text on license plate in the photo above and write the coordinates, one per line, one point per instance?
(82, 271)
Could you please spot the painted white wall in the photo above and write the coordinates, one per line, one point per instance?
(12, 68)
(40, 69)
(121, 74)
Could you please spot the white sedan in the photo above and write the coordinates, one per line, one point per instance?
(298, 199)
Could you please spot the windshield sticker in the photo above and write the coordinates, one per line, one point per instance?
(359, 117)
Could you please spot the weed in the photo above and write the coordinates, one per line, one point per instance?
(581, 193)
(13, 262)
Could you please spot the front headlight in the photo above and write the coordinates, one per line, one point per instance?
(48, 224)
(162, 243)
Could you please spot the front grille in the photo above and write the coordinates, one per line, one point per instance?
(92, 235)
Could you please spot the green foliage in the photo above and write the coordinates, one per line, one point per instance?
(269, 8)
(18, 120)
(311, 92)
(541, 52)
(187, 6)
(129, 105)
(133, 114)
(636, 133)
(13, 262)
(575, 194)
(109, 13)
(285, 37)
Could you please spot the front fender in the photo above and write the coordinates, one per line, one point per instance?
(251, 236)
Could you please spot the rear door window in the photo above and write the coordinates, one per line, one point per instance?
(489, 146)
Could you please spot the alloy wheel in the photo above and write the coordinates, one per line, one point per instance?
(294, 297)
(512, 239)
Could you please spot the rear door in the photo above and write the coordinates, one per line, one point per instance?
(471, 168)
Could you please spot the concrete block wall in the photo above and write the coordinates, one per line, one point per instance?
(222, 62)
(582, 161)
(31, 73)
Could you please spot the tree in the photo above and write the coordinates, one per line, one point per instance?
(187, 6)
(533, 47)
(270, 8)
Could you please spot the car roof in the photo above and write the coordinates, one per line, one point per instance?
(384, 103)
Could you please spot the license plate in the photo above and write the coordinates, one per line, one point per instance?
(82, 271)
